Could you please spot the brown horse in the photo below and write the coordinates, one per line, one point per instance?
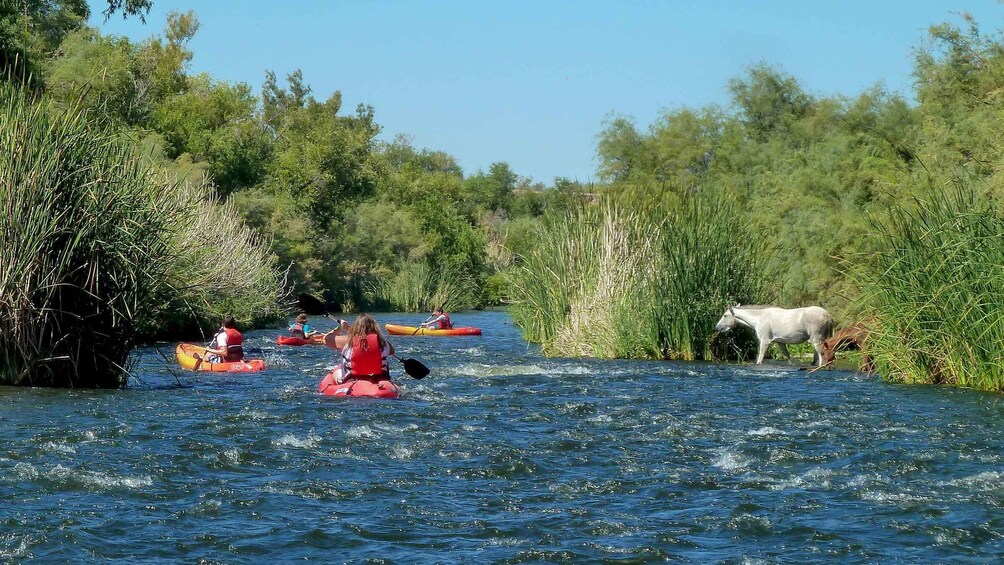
(852, 337)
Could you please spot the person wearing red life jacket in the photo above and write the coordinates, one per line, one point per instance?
(227, 345)
(365, 355)
(439, 320)
(300, 328)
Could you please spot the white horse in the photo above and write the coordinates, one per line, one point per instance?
(781, 326)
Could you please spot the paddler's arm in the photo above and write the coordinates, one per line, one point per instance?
(432, 321)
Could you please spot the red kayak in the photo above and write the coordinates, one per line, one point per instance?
(290, 340)
(356, 389)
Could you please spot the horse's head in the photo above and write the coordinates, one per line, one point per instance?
(727, 322)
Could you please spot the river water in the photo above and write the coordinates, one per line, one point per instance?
(501, 456)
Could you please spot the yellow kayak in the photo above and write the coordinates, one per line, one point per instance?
(192, 357)
(394, 329)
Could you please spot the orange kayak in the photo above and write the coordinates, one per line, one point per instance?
(394, 329)
(191, 357)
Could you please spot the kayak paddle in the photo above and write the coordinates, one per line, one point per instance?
(313, 306)
(414, 368)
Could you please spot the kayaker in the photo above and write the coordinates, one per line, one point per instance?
(439, 319)
(226, 346)
(300, 328)
(364, 357)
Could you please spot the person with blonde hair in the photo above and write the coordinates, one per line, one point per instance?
(365, 355)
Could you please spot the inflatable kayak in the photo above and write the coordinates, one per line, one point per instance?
(191, 357)
(357, 389)
(316, 339)
(394, 329)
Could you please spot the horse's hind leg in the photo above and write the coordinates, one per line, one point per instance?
(817, 356)
(784, 351)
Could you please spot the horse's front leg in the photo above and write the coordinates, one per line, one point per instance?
(784, 351)
(764, 344)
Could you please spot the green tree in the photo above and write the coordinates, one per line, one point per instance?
(768, 100)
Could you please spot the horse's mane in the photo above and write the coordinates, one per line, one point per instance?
(755, 306)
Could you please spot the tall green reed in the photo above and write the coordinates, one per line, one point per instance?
(639, 276)
(82, 255)
(936, 290)
(98, 250)
(418, 287)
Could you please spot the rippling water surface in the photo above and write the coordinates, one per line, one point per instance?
(502, 456)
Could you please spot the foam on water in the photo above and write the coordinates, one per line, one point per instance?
(290, 440)
(59, 447)
(496, 370)
(401, 452)
(96, 479)
(765, 431)
(231, 456)
(15, 546)
(987, 480)
(361, 432)
(730, 460)
(815, 478)
(893, 497)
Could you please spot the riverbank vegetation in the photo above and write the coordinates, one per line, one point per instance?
(98, 249)
(367, 223)
(880, 209)
(639, 275)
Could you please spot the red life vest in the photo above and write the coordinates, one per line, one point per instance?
(366, 362)
(297, 331)
(234, 350)
(445, 323)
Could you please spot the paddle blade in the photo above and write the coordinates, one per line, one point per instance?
(311, 305)
(415, 368)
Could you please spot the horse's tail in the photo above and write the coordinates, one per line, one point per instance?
(828, 327)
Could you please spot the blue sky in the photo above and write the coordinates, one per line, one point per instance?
(530, 83)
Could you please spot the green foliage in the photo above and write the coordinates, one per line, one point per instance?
(769, 101)
(807, 171)
(219, 266)
(119, 82)
(935, 292)
(98, 73)
(418, 287)
(215, 122)
(100, 249)
(639, 276)
(84, 255)
(324, 159)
